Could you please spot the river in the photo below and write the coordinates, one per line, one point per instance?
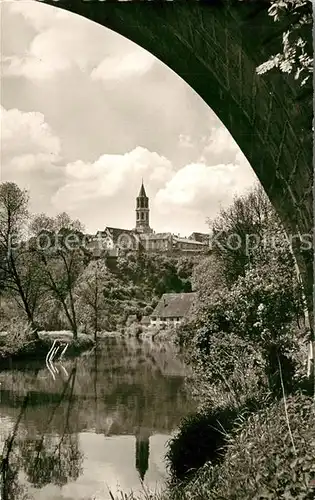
(96, 424)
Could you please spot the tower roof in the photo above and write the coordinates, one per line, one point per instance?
(142, 193)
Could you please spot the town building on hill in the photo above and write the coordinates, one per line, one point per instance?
(116, 241)
(172, 309)
(201, 237)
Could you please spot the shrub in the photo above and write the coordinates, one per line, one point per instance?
(261, 461)
(200, 438)
(20, 338)
(231, 373)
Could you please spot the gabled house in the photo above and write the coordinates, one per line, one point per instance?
(201, 237)
(188, 245)
(172, 309)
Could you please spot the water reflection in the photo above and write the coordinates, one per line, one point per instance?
(104, 426)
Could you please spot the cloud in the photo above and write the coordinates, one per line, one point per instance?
(29, 153)
(185, 141)
(111, 175)
(63, 41)
(218, 146)
(179, 199)
(54, 50)
(200, 188)
(123, 66)
(220, 140)
(25, 134)
(40, 16)
(79, 76)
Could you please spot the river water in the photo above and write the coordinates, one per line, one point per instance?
(96, 424)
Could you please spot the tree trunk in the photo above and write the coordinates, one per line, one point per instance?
(305, 264)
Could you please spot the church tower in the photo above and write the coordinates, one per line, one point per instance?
(142, 212)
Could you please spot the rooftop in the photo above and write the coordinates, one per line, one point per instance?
(189, 241)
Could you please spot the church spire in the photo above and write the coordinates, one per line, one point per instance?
(142, 190)
(142, 211)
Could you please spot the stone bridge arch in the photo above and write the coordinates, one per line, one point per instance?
(215, 46)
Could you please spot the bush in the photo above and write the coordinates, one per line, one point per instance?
(261, 461)
(232, 372)
(20, 339)
(259, 309)
(200, 438)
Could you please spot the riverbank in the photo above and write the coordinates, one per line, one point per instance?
(30, 348)
(26, 347)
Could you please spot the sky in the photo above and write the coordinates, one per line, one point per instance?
(86, 114)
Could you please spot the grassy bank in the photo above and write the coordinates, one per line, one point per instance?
(270, 456)
(21, 344)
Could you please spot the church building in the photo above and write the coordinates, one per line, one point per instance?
(142, 237)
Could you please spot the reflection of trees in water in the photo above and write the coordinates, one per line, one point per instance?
(111, 384)
(120, 389)
(45, 460)
(9, 465)
(57, 462)
(11, 487)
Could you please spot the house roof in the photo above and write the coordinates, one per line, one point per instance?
(203, 237)
(155, 236)
(186, 240)
(173, 305)
(115, 232)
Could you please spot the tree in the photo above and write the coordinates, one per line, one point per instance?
(247, 232)
(89, 292)
(60, 247)
(208, 277)
(42, 222)
(258, 308)
(20, 274)
(156, 273)
(297, 52)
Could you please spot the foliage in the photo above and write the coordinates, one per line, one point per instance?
(60, 252)
(247, 232)
(202, 437)
(259, 310)
(232, 373)
(208, 277)
(261, 461)
(297, 53)
(90, 303)
(20, 339)
(185, 333)
(249, 297)
(156, 273)
(240, 340)
(18, 270)
(48, 460)
(43, 223)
